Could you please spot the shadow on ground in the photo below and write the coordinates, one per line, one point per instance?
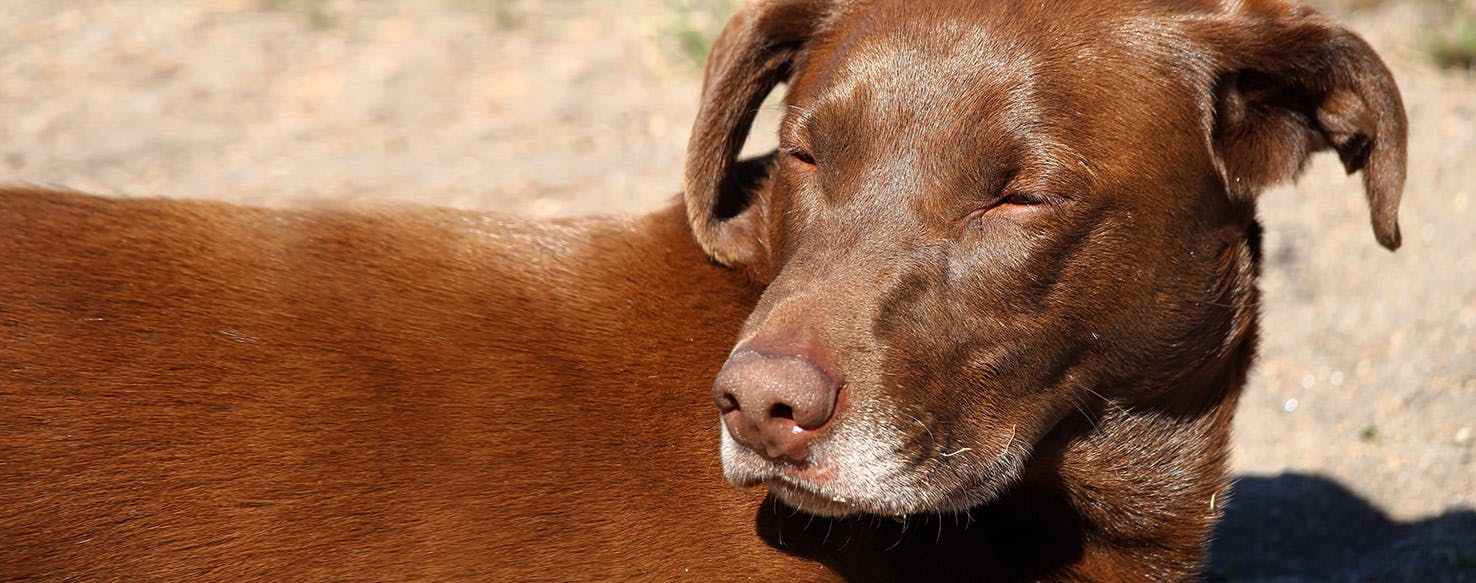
(1296, 527)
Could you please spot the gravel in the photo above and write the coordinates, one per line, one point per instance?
(1355, 442)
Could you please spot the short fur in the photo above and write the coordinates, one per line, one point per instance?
(1023, 232)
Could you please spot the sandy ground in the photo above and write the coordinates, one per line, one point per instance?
(1356, 441)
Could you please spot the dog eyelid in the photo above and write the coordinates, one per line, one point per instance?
(1027, 198)
(800, 155)
(1017, 199)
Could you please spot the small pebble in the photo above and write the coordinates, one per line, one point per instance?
(1291, 405)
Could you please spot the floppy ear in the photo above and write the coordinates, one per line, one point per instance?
(754, 53)
(1294, 83)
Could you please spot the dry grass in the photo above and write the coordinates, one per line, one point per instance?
(1449, 40)
(1452, 41)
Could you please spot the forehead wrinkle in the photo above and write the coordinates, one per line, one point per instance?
(930, 60)
(934, 103)
(931, 85)
(792, 126)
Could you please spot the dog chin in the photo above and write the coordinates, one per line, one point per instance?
(799, 486)
(908, 501)
(825, 490)
(815, 489)
(807, 500)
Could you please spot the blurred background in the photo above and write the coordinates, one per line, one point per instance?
(1356, 440)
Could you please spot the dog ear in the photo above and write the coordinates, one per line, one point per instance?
(1290, 83)
(754, 53)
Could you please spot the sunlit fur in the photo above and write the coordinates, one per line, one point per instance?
(1026, 243)
(1024, 235)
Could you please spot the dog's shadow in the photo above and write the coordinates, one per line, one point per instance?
(1297, 527)
(1287, 529)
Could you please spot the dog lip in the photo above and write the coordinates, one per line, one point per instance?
(752, 470)
(793, 486)
(805, 486)
(747, 480)
(809, 498)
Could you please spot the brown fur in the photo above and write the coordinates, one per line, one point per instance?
(195, 391)
(1023, 233)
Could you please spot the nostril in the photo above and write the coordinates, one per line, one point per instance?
(781, 411)
(727, 402)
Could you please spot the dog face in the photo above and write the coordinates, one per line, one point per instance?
(987, 217)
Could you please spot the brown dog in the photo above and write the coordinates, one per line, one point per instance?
(999, 284)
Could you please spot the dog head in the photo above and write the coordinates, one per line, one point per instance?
(985, 217)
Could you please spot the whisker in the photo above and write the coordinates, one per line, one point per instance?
(1077, 403)
(1009, 441)
(933, 439)
(1110, 403)
(901, 535)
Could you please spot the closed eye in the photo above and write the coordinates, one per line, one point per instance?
(802, 156)
(1027, 199)
(1018, 205)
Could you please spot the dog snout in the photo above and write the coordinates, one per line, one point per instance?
(774, 404)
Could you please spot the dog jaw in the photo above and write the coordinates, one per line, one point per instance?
(861, 471)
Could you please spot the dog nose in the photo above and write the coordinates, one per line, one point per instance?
(773, 404)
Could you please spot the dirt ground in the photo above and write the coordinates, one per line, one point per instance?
(1356, 440)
